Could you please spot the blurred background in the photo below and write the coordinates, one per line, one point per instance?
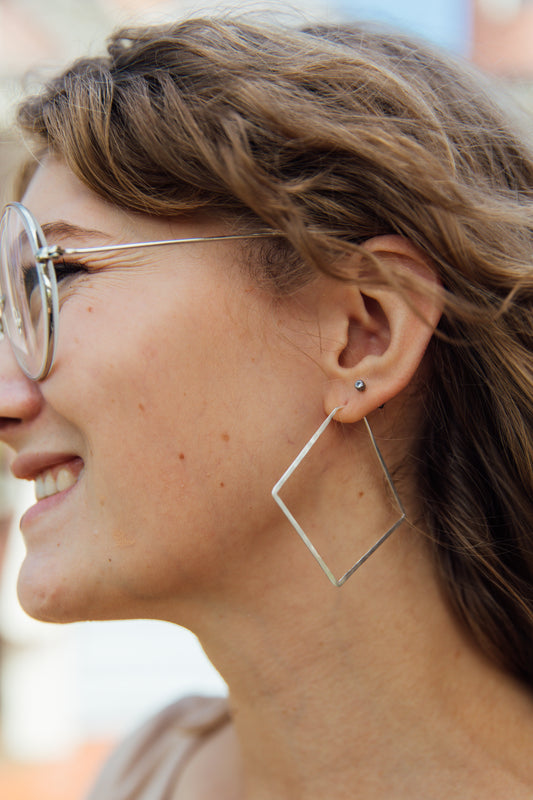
(68, 693)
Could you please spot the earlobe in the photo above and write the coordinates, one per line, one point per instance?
(385, 332)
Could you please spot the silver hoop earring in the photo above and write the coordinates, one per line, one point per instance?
(296, 525)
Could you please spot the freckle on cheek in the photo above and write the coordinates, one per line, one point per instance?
(90, 309)
(123, 539)
(182, 456)
(141, 407)
(225, 437)
(361, 494)
(221, 484)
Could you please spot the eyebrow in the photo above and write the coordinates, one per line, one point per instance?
(62, 229)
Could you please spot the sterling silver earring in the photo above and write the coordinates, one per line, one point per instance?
(296, 525)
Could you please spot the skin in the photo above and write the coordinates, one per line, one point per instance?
(200, 343)
(186, 392)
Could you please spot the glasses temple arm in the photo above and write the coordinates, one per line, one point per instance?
(44, 254)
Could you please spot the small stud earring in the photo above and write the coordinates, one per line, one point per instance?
(360, 385)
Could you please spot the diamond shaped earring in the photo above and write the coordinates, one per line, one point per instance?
(360, 386)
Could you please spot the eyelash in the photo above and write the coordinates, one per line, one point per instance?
(67, 269)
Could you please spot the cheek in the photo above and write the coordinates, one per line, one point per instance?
(183, 412)
(169, 415)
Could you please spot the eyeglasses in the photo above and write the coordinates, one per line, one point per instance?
(29, 304)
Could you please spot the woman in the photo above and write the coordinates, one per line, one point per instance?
(361, 267)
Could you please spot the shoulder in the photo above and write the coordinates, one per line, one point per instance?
(147, 765)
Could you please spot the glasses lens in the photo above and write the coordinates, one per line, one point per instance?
(25, 315)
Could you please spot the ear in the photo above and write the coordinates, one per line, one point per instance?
(377, 334)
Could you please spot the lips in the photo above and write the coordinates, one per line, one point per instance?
(52, 473)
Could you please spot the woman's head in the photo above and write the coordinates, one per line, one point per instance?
(336, 137)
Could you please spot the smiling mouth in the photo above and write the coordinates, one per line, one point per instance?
(56, 479)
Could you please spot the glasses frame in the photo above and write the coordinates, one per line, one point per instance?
(45, 255)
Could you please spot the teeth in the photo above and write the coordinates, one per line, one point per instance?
(65, 479)
(39, 488)
(46, 485)
(49, 485)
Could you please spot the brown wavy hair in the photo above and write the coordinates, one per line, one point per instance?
(332, 135)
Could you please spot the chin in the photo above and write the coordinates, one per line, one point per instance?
(47, 598)
(49, 595)
(46, 608)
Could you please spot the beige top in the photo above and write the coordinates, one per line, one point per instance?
(148, 764)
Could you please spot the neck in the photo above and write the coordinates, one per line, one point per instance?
(372, 685)
(365, 686)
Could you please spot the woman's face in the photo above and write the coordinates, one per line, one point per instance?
(167, 409)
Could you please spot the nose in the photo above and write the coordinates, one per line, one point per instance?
(20, 398)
